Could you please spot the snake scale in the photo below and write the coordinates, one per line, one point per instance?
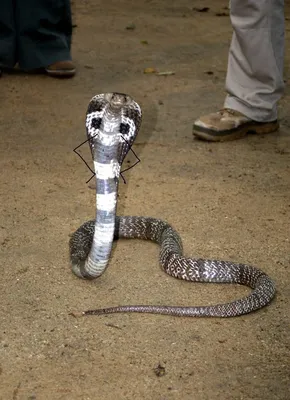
(112, 123)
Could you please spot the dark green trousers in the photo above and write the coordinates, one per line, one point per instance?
(34, 33)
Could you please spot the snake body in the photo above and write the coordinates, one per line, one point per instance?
(112, 123)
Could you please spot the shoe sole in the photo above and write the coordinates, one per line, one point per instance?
(236, 133)
(61, 73)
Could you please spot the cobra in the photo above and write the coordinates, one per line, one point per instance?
(112, 123)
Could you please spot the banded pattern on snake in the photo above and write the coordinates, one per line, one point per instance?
(112, 123)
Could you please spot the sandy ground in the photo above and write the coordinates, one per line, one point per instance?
(229, 201)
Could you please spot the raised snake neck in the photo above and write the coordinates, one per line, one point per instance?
(112, 122)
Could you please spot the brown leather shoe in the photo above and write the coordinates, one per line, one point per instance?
(61, 69)
(229, 124)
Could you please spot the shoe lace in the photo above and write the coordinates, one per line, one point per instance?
(227, 111)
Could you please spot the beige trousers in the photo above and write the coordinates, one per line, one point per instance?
(254, 80)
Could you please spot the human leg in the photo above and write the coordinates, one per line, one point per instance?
(7, 35)
(255, 73)
(255, 67)
(44, 30)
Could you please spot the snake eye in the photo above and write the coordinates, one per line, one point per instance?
(96, 123)
(124, 128)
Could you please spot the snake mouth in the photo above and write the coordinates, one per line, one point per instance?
(118, 100)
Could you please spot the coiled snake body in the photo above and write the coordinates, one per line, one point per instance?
(112, 123)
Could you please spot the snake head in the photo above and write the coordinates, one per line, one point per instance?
(118, 100)
(117, 113)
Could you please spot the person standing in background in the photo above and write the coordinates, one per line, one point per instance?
(254, 81)
(36, 34)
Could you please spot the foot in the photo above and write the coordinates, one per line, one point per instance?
(229, 124)
(61, 69)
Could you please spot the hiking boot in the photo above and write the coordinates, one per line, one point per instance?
(61, 69)
(229, 124)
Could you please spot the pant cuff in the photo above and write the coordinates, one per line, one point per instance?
(256, 114)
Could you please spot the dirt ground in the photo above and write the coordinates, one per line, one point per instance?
(228, 201)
